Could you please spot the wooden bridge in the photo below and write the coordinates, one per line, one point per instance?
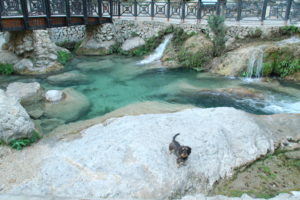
(40, 14)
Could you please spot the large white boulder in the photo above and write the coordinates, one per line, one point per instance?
(132, 43)
(26, 93)
(128, 157)
(15, 123)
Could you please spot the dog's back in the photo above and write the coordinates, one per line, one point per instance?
(174, 145)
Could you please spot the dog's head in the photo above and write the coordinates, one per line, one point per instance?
(184, 151)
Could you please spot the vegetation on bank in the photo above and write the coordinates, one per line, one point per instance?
(289, 30)
(6, 69)
(19, 144)
(281, 62)
(217, 26)
(63, 57)
(265, 178)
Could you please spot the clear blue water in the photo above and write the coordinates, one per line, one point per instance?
(116, 81)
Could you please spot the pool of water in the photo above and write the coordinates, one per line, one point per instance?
(116, 81)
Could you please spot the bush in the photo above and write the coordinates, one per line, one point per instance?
(19, 144)
(6, 69)
(289, 30)
(64, 57)
(281, 63)
(217, 26)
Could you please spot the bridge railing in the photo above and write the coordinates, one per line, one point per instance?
(234, 10)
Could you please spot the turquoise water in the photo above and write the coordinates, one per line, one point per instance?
(114, 82)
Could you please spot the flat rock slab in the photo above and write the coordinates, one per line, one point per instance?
(128, 157)
(68, 78)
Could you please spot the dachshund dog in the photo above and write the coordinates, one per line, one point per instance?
(182, 152)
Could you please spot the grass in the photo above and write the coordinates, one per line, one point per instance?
(6, 69)
(19, 144)
(63, 57)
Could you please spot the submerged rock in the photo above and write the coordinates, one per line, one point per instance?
(70, 108)
(68, 78)
(15, 123)
(128, 157)
(95, 66)
(132, 43)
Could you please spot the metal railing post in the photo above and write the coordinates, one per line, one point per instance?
(111, 9)
(199, 11)
(168, 10)
(183, 10)
(68, 12)
(25, 14)
(152, 9)
(1, 8)
(100, 13)
(135, 8)
(48, 13)
(218, 7)
(119, 8)
(288, 10)
(85, 14)
(264, 10)
(239, 11)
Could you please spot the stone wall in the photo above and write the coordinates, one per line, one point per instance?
(67, 34)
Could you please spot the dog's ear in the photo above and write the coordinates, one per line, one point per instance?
(189, 150)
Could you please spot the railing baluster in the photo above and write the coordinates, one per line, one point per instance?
(288, 10)
(25, 14)
(168, 10)
(182, 10)
(152, 9)
(264, 10)
(199, 10)
(68, 12)
(239, 10)
(218, 7)
(85, 14)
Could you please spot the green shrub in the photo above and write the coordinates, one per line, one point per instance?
(289, 30)
(256, 33)
(6, 69)
(217, 26)
(134, 34)
(19, 144)
(193, 60)
(281, 63)
(63, 57)
(267, 69)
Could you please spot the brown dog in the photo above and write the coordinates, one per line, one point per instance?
(182, 152)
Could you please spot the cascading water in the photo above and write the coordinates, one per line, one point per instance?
(158, 53)
(255, 64)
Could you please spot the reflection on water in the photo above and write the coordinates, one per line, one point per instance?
(116, 81)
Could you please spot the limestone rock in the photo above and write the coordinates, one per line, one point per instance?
(68, 78)
(293, 155)
(15, 123)
(132, 43)
(94, 48)
(54, 95)
(7, 57)
(170, 57)
(70, 108)
(26, 93)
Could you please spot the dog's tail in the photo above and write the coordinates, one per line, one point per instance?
(175, 136)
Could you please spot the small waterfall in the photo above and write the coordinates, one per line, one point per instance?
(255, 63)
(158, 53)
